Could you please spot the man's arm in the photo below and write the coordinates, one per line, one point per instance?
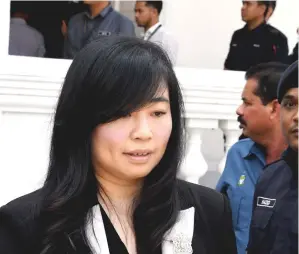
(228, 60)
(70, 38)
(222, 184)
(281, 50)
(68, 50)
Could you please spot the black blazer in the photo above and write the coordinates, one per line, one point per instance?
(212, 231)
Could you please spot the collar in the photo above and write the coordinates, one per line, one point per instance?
(151, 30)
(103, 13)
(19, 21)
(258, 28)
(254, 149)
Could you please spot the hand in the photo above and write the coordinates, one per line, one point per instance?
(63, 28)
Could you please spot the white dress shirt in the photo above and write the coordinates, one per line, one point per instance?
(158, 34)
(177, 240)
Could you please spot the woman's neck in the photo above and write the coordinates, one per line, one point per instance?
(118, 196)
(117, 200)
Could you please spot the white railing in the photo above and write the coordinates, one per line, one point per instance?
(29, 88)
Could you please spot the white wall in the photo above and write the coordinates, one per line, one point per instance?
(204, 28)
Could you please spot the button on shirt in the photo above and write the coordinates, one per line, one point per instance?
(244, 164)
(251, 47)
(24, 40)
(274, 225)
(160, 36)
(83, 28)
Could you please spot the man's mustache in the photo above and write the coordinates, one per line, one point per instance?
(241, 120)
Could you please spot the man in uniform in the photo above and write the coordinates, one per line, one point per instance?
(257, 42)
(274, 225)
(259, 117)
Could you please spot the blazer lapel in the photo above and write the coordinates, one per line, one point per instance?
(95, 232)
(179, 238)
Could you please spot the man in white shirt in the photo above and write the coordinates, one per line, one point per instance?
(147, 16)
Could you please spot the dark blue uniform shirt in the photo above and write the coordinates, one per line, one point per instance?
(274, 225)
(260, 45)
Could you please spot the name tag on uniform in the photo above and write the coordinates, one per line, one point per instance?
(256, 45)
(104, 33)
(266, 202)
(235, 45)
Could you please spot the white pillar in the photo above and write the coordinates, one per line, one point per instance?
(232, 132)
(194, 165)
(116, 5)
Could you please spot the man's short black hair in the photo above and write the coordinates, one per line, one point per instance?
(268, 4)
(158, 5)
(267, 76)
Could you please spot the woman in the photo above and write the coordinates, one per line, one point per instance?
(117, 144)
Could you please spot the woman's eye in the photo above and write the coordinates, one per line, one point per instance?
(159, 113)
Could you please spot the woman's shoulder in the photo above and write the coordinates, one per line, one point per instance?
(19, 223)
(201, 198)
(24, 204)
(22, 210)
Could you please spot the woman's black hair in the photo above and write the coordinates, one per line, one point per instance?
(108, 79)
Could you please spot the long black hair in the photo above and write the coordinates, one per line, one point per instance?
(108, 79)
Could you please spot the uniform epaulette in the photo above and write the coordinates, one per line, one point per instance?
(274, 30)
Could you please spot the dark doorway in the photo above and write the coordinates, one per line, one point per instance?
(46, 17)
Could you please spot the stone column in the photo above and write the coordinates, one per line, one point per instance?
(232, 132)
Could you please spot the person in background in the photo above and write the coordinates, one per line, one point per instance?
(24, 40)
(259, 117)
(100, 20)
(257, 42)
(118, 141)
(147, 15)
(274, 225)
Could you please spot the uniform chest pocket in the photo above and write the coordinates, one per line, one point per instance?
(241, 210)
(261, 217)
(259, 226)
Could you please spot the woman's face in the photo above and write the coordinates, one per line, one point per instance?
(128, 148)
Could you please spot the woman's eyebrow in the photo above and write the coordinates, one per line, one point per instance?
(159, 99)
